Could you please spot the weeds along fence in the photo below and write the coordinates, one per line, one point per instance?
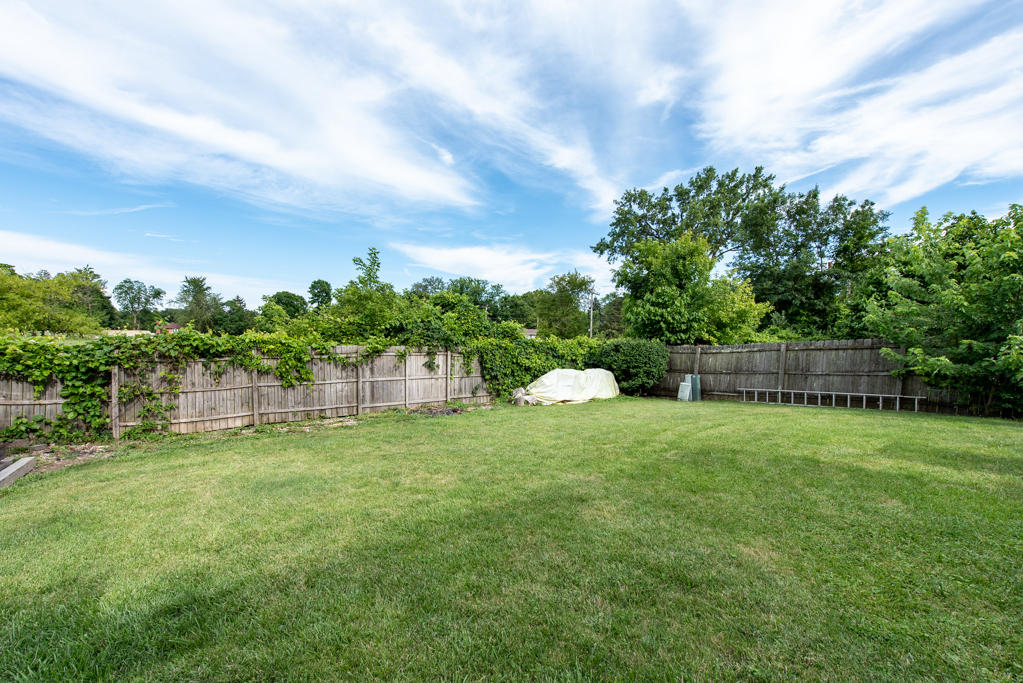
(849, 366)
(240, 397)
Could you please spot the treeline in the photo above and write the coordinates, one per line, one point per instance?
(798, 267)
(726, 258)
(77, 302)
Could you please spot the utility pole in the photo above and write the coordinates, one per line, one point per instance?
(591, 315)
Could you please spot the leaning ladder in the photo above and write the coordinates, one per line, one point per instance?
(835, 396)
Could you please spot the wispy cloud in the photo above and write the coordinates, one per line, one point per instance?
(28, 253)
(807, 86)
(109, 212)
(397, 107)
(519, 269)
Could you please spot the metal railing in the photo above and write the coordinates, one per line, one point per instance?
(834, 396)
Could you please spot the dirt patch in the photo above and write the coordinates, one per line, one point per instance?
(59, 457)
(436, 412)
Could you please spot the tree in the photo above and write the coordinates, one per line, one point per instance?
(134, 298)
(560, 305)
(608, 316)
(521, 308)
(41, 302)
(727, 210)
(320, 294)
(481, 292)
(237, 319)
(89, 291)
(804, 257)
(367, 302)
(428, 286)
(811, 260)
(955, 300)
(293, 304)
(201, 306)
(671, 297)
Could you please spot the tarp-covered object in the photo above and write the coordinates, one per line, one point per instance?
(574, 386)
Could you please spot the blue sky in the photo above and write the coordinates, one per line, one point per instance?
(264, 144)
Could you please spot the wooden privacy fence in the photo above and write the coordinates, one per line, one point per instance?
(241, 397)
(849, 366)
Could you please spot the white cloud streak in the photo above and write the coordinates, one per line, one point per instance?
(807, 86)
(30, 253)
(111, 212)
(400, 107)
(519, 269)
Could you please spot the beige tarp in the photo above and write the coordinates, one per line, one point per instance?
(573, 386)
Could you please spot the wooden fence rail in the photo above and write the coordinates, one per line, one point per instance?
(847, 366)
(240, 397)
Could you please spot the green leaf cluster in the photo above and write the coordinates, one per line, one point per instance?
(637, 364)
(954, 298)
(511, 362)
(672, 297)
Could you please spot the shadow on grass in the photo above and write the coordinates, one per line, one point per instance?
(694, 562)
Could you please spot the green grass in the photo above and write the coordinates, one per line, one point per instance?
(619, 540)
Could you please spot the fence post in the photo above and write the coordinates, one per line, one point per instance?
(898, 381)
(255, 398)
(781, 369)
(405, 363)
(447, 379)
(696, 363)
(115, 405)
(358, 389)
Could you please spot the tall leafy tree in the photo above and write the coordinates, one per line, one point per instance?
(609, 316)
(521, 308)
(41, 302)
(134, 298)
(292, 303)
(810, 260)
(955, 300)
(428, 286)
(237, 318)
(89, 291)
(728, 210)
(482, 293)
(320, 294)
(367, 302)
(560, 305)
(201, 306)
(672, 297)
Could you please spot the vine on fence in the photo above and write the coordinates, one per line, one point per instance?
(83, 368)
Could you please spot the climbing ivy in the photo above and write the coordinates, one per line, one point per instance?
(511, 363)
(83, 367)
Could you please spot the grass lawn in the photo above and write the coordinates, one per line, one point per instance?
(620, 540)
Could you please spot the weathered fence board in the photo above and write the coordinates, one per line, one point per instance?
(853, 366)
(204, 402)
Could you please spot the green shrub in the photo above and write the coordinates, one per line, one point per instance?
(637, 364)
(515, 361)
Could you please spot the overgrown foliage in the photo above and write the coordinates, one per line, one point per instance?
(672, 297)
(803, 257)
(83, 369)
(67, 303)
(955, 299)
(637, 364)
(516, 361)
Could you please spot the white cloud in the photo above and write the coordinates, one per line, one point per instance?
(806, 86)
(30, 253)
(365, 107)
(110, 212)
(316, 105)
(519, 269)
